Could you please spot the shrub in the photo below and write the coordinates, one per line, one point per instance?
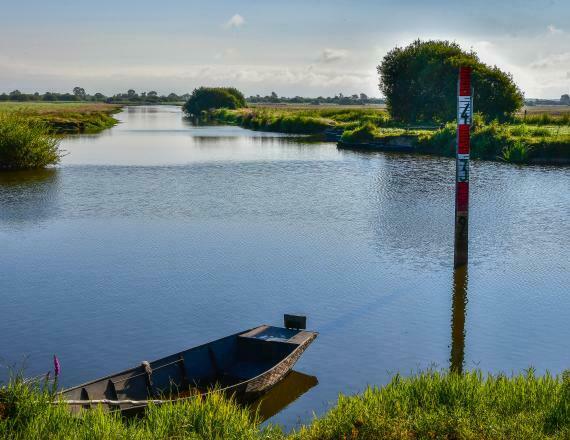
(516, 152)
(364, 133)
(208, 98)
(420, 83)
(26, 142)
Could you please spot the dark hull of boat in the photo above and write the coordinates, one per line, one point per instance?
(244, 366)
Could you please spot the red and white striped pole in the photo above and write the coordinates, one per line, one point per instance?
(464, 117)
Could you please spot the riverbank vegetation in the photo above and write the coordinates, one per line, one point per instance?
(204, 99)
(300, 120)
(535, 137)
(26, 142)
(69, 117)
(510, 142)
(431, 404)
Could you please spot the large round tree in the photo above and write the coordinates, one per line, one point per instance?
(419, 82)
(207, 98)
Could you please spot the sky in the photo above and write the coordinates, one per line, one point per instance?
(306, 48)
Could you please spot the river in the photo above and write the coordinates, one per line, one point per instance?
(156, 235)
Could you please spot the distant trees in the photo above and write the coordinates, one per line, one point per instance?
(420, 83)
(79, 93)
(340, 99)
(565, 99)
(206, 98)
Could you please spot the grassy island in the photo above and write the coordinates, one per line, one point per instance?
(533, 138)
(67, 117)
(429, 405)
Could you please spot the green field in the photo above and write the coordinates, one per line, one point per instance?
(428, 405)
(67, 117)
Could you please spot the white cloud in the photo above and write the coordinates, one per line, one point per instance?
(332, 55)
(552, 60)
(235, 21)
(553, 30)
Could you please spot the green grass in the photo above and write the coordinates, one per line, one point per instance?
(26, 412)
(26, 142)
(538, 137)
(518, 143)
(302, 120)
(428, 405)
(67, 117)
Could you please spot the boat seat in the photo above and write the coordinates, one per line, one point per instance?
(270, 333)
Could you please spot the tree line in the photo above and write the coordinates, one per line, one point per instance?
(79, 94)
(339, 99)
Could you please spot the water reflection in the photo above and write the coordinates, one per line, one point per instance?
(28, 195)
(458, 308)
(283, 394)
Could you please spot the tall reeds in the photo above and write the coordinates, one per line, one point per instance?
(26, 142)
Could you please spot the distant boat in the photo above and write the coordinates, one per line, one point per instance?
(244, 365)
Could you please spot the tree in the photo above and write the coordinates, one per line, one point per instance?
(565, 99)
(131, 94)
(420, 83)
(79, 93)
(206, 98)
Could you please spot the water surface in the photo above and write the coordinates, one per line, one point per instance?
(155, 236)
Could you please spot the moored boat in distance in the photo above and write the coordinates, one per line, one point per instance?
(243, 365)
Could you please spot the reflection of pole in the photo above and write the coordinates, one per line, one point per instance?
(464, 112)
(458, 307)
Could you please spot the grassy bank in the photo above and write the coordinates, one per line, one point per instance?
(301, 119)
(518, 143)
(530, 138)
(67, 117)
(428, 405)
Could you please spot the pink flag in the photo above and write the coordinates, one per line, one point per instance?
(56, 365)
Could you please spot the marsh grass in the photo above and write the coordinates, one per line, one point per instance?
(452, 406)
(431, 405)
(538, 138)
(517, 143)
(27, 411)
(67, 117)
(302, 120)
(516, 152)
(26, 142)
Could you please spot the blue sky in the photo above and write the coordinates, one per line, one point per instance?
(292, 47)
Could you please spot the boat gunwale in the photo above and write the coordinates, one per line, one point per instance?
(144, 403)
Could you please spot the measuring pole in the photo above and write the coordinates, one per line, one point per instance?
(464, 116)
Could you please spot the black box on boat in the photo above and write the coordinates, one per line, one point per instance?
(295, 321)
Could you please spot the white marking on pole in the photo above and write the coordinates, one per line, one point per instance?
(464, 110)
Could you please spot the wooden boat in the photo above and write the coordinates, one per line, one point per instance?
(244, 365)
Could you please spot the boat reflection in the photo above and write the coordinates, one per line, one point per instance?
(283, 394)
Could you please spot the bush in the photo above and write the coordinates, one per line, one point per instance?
(516, 152)
(26, 142)
(204, 99)
(420, 83)
(365, 133)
